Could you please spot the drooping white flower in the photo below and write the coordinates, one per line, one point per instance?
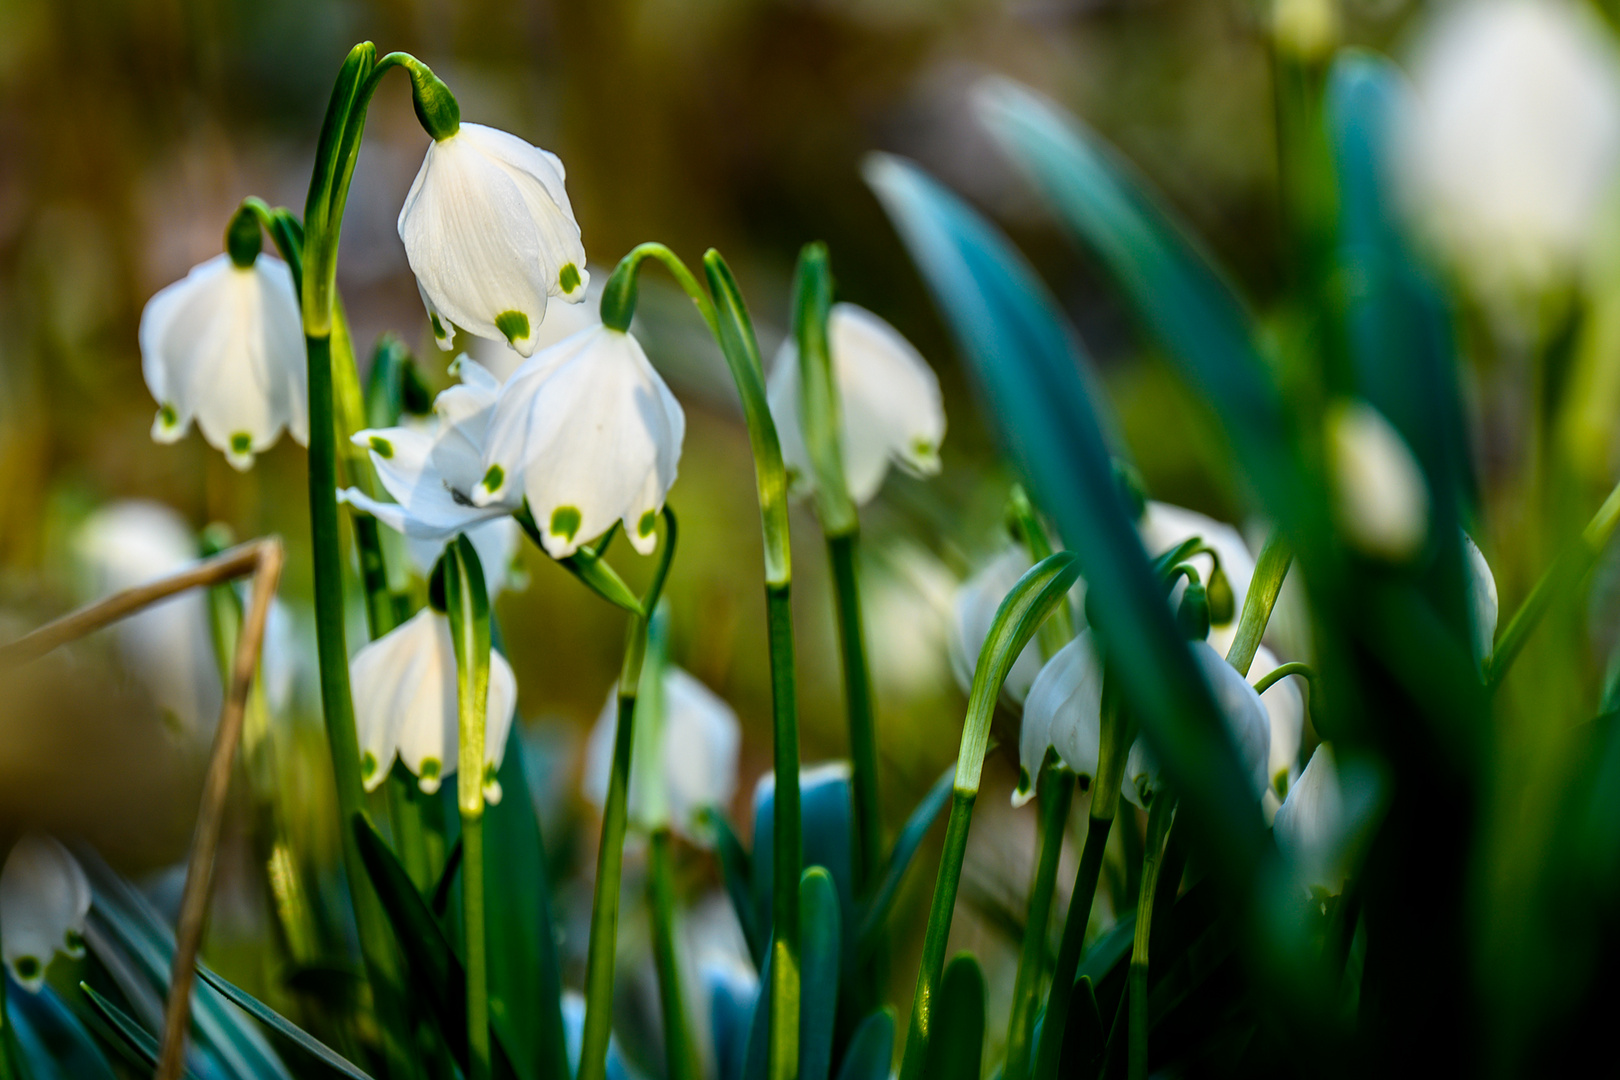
(692, 767)
(1312, 828)
(1247, 724)
(562, 321)
(1285, 707)
(973, 613)
(430, 470)
(1510, 149)
(169, 646)
(890, 406)
(224, 346)
(588, 432)
(1063, 712)
(44, 898)
(1380, 497)
(491, 237)
(405, 705)
(1482, 599)
(1164, 527)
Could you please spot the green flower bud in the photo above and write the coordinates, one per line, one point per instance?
(1193, 614)
(243, 241)
(1222, 603)
(436, 107)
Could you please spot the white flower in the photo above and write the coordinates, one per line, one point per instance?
(430, 471)
(562, 321)
(588, 432)
(1164, 527)
(1380, 497)
(44, 898)
(224, 346)
(1312, 826)
(691, 767)
(890, 407)
(1247, 724)
(169, 646)
(1285, 707)
(974, 612)
(1064, 712)
(490, 236)
(1482, 599)
(405, 705)
(1510, 150)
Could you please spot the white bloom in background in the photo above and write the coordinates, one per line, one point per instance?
(1064, 712)
(974, 612)
(692, 768)
(890, 407)
(1482, 599)
(588, 432)
(431, 470)
(224, 346)
(1312, 827)
(44, 898)
(562, 321)
(1285, 707)
(1380, 497)
(491, 237)
(169, 646)
(1510, 149)
(1247, 723)
(1164, 527)
(405, 705)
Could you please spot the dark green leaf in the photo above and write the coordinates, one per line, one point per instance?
(876, 910)
(871, 1049)
(820, 944)
(136, 1038)
(824, 807)
(53, 1041)
(1085, 1038)
(956, 1043)
(284, 1027)
(736, 868)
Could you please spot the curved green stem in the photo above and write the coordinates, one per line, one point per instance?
(1026, 525)
(1159, 818)
(1269, 571)
(1281, 672)
(618, 305)
(1057, 792)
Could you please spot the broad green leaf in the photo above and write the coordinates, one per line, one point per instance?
(731, 995)
(824, 810)
(820, 943)
(1084, 1038)
(875, 911)
(284, 1027)
(956, 1049)
(871, 1049)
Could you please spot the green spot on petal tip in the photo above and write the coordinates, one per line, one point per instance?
(568, 278)
(645, 525)
(513, 324)
(27, 968)
(241, 443)
(368, 765)
(167, 415)
(382, 447)
(438, 327)
(565, 522)
(430, 769)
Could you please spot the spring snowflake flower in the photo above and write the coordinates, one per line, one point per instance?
(1381, 498)
(1285, 708)
(890, 407)
(693, 767)
(491, 237)
(405, 705)
(590, 435)
(1164, 527)
(224, 347)
(1311, 827)
(44, 898)
(974, 611)
(1063, 712)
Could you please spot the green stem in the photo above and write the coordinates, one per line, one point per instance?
(788, 841)
(1058, 630)
(1057, 793)
(472, 885)
(843, 553)
(680, 1052)
(1159, 818)
(938, 933)
(1050, 1047)
(1269, 571)
(1281, 672)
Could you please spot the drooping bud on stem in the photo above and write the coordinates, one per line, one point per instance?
(436, 107)
(243, 241)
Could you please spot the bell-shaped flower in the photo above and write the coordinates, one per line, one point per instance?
(562, 321)
(491, 237)
(405, 705)
(1164, 527)
(688, 764)
(1063, 712)
(1482, 601)
(973, 612)
(1510, 147)
(890, 406)
(589, 434)
(224, 346)
(44, 898)
(1312, 827)
(169, 646)
(1285, 707)
(1247, 724)
(1381, 500)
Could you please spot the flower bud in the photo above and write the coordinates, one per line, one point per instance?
(435, 105)
(1222, 604)
(1193, 614)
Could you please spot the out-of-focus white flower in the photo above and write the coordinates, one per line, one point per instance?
(1064, 712)
(431, 470)
(1482, 599)
(405, 705)
(224, 346)
(1285, 707)
(906, 602)
(44, 898)
(890, 407)
(562, 321)
(1311, 827)
(1247, 723)
(1164, 527)
(1380, 497)
(587, 431)
(691, 768)
(974, 611)
(490, 236)
(1510, 149)
(169, 646)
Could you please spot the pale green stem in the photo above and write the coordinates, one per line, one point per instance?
(1159, 818)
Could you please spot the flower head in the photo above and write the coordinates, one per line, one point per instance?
(224, 346)
(974, 611)
(44, 898)
(1063, 712)
(490, 236)
(890, 408)
(1165, 527)
(691, 768)
(589, 434)
(1312, 826)
(405, 705)
(1381, 499)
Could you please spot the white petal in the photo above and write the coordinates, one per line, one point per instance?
(1381, 499)
(701, 742)
(444, 331)
(1247, 721)
(1141, 779)
(44, 898)
(974, 612)
(540, 177)
(1482, 599)
(1165, 527)
(892, 408)
(1285, 707)
(387, 678)
(1064, 711)
(499, 710)
(1311, 826)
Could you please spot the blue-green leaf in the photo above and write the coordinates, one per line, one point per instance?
(871, 1049)
(956, 1049)
(820, 944)
(53, 1040)
(825, 809)
(284, 1027)
(875, 912)
(136, 1038)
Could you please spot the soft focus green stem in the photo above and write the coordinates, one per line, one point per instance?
(680, 1052)
(1159, 818)
(1058, 630)
(843, 552)
(788, 840)
(937, 935)
(1281, 672)
(618, 305)
(472, 891)
(1269, 571)
(1056, 795)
